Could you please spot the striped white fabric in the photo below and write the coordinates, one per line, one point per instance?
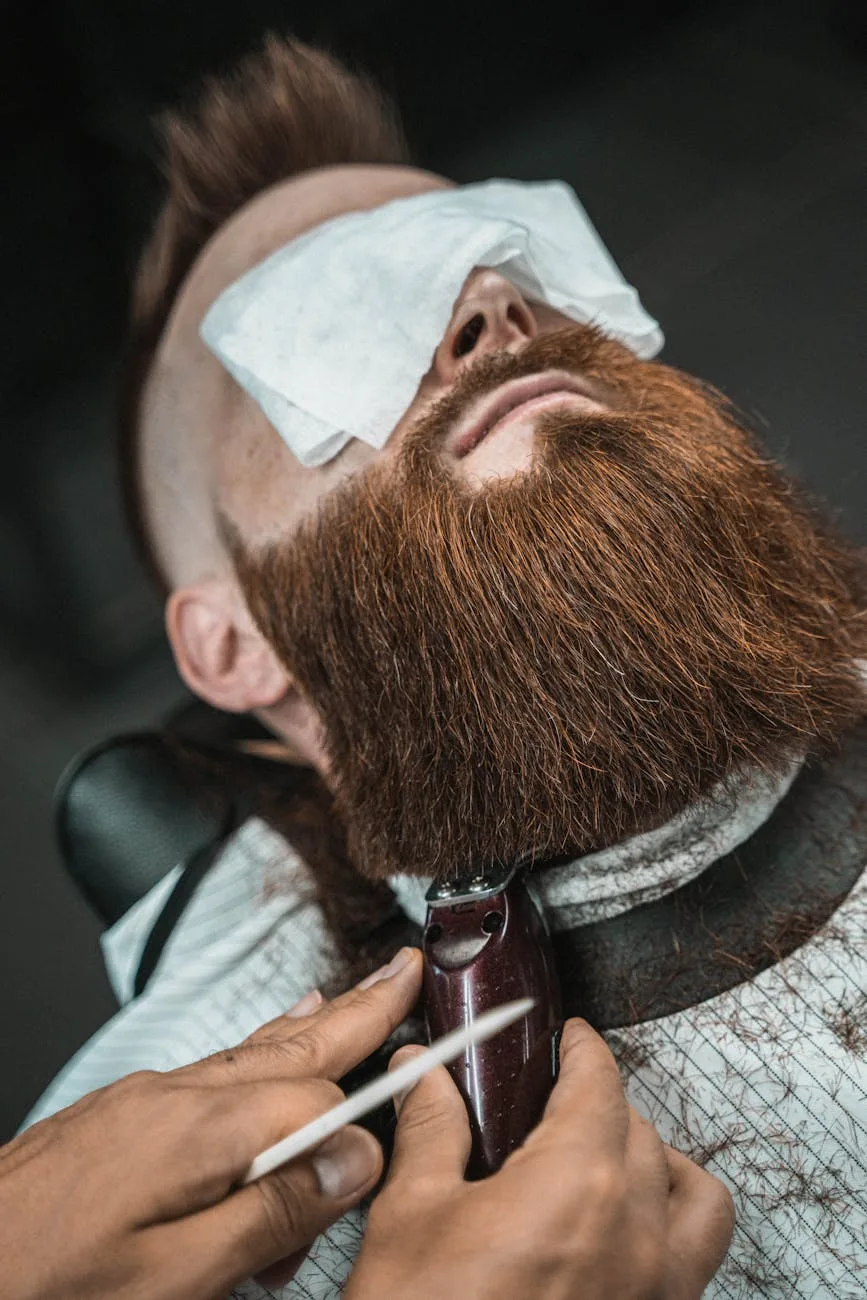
(766, 1084)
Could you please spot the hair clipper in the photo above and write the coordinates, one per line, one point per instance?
(485, 943)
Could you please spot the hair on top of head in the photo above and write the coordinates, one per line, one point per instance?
(285, 109)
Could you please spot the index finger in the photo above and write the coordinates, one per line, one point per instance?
(334, 1040)
(587, 1106)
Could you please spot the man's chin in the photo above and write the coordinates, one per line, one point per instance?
(511, 446)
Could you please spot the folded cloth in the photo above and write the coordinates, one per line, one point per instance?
(332, 334)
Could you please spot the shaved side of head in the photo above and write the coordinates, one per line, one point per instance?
(285, 111)
(175, 457)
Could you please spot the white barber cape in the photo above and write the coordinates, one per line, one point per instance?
(770, 1077)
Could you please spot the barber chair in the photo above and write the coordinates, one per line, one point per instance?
(130, 809)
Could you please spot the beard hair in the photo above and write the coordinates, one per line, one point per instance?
(557, 660)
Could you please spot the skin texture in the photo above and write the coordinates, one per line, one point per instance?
(131, 1192)
(615, 1212)
(206, 447)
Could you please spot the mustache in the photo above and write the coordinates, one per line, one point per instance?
(591, 356)
(641, 398)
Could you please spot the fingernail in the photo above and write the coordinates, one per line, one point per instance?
(397, 963)
(407, 1053)
(344, 1164)
(308, 1003)
(400, 1057)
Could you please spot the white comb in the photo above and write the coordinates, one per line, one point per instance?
(445, 1049)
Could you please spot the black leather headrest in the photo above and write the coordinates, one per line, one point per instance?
(131, 808)
(125, 815)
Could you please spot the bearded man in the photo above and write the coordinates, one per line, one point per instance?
(561, 607)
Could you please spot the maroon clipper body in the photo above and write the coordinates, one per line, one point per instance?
(485, 943)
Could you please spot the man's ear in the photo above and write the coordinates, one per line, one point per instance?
(219, 651)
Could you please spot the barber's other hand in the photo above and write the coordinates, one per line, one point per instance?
(133, 1191)
(593, 1206)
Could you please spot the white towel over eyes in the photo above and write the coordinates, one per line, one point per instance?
(332, 334)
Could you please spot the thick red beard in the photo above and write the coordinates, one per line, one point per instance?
(568, 657)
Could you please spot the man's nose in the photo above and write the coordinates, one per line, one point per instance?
(489, 316)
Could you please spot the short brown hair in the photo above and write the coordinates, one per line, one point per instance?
(285, 109)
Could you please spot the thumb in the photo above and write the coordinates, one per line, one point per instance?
(433, 1129)
(701, 1221)
(280, 1214)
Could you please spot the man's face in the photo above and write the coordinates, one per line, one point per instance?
(257, 483)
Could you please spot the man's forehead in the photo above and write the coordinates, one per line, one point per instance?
(270, 221)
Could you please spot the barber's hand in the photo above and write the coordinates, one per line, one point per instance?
(132, 1192)
(591, 1207)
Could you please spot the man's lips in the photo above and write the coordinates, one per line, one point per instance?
(519, 397)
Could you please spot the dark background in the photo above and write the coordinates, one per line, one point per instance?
(721, 150)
